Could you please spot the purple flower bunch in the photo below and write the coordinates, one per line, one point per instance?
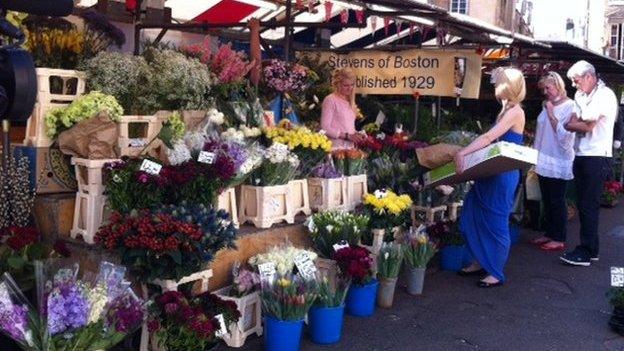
(125, 313)
(285, 77)
(14, 319)
(246, 282)
(325, 170)
(68, 307)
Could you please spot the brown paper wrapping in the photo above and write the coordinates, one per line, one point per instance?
(436, 155)
(92, 139)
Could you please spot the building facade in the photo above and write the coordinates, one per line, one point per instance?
(614, 31)
(513, 15)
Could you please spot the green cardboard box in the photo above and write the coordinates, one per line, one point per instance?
(496, 158)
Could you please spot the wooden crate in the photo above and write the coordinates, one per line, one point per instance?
(299, 196)
(48, 97)
(90, 198)
(427, 215)
(147, 127)
(453, 210)
(327, 194)
(250, 308)
(265, 205)
(227, 201)
(357, 186)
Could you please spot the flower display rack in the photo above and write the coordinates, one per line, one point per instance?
(426, 215)
(327, 194)
(171, 285)
(147, 128)
(265, 205)
(250, 308)
(55, 88)
(453, 210)
(227, 201)
(300, 197)
(90, 198)
(357, 186)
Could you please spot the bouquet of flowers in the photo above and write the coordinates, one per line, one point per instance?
(333, 227)
(288, 298)
(387, 209)
(283, 258)
(355, 262)
(286, 77)
(182, 322)
(332, 295)
(278, 167)
(610, 193)
(350, 161)
(417, 248)
(325, 170)
(130, 189)
(83, 108)
(446, 233)
(245, 282)
(389, 260)
(76, 314)
(170, 243)
(311, 148)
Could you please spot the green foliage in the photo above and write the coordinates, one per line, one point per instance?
(427, 125)
(309, 103)
(616, 297)
(332, 296)
(83, 108)
(288, 298)
(332, 227)
(389, 260)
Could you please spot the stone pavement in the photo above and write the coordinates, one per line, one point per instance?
(544, 305)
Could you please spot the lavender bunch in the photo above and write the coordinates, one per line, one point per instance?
(325, 170)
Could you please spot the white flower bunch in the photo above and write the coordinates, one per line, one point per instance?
(232, 134)
(179, 154)
(277, 153)
(215, 116)
(380, 194)
(195, 140)
(250, 132)
(254, 159)
(282, 257)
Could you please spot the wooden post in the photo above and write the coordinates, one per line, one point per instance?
(287, 29)
(254, 49)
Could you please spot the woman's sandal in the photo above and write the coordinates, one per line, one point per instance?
(549, 246)
(540, 240)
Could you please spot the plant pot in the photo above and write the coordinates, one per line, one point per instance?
(326, 324)
(452, 257)
(360, 301)
(282, 335)
(616, 322)
(415, 280)
(385, 293)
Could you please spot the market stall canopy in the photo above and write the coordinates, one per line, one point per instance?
(383, 22)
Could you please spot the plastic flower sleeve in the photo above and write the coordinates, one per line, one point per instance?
(18, 319)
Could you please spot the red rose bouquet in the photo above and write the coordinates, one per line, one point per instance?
(355, 262)
(610, 193)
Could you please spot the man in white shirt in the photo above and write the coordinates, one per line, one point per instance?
(593, 120)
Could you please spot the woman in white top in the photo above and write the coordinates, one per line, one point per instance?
(554, 163)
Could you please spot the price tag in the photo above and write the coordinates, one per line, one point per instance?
(267, 271)
(137, 142)
(617, 277)
(222, 329)
(151, 167)
(304, 264)
(341, 245)
(380, 119)
(206, 157)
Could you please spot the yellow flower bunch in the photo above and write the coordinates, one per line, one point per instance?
(299, 136)
(388, 202)
(56, 40)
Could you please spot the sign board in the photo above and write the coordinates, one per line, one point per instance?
(429, 72)
(617, 277)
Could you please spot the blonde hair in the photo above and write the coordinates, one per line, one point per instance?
(340, 75)
(510, 88)
(555, 79)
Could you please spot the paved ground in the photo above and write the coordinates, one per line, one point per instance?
(543, 306)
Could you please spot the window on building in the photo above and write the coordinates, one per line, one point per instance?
(459, 6)
(616, 49)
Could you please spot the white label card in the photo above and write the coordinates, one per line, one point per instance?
(340, 245)
(206, 157)
(617, 277)
(222, 329)
(151, 167)
(306, 267)
(267, 271)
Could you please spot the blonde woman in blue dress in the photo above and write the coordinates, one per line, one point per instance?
(484, 220)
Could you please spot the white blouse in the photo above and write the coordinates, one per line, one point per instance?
(556, 147)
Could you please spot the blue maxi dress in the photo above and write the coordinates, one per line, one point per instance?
(484, 219)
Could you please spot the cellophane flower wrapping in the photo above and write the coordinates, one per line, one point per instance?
(278, 166)
(92, 312)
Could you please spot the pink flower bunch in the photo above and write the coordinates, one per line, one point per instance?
(230, 66)
(285, 77)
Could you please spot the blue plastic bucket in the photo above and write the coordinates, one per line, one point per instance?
(452, 258)
(282, 335)
(360, 300)
(326, 324)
